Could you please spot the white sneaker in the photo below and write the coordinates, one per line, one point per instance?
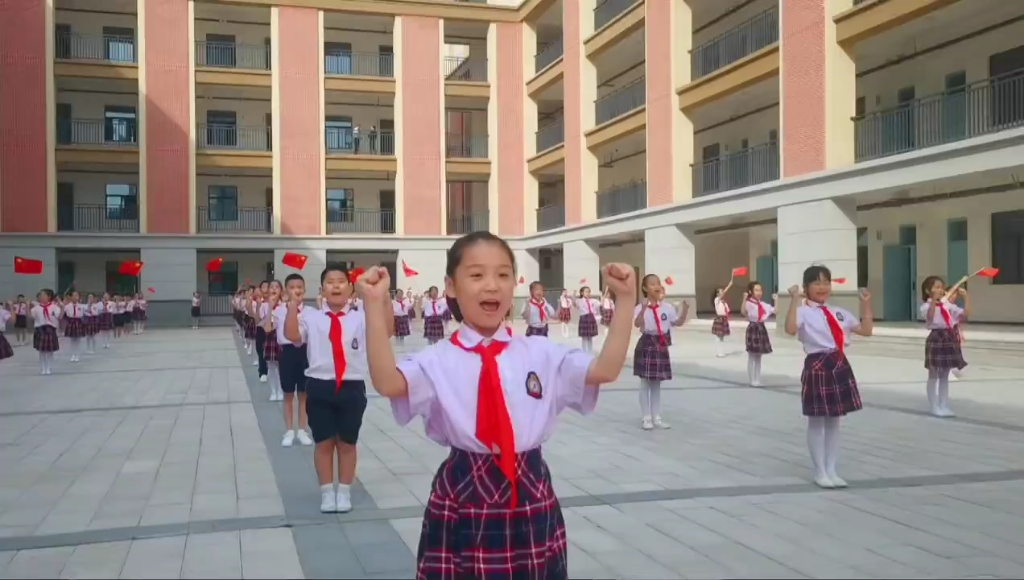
(756, 384)
(263, 378)
(289, 439)
(344, 502)
(721, 355)
(329, 502)
(661, 424)
(824, 482)
(837, 482)
(280, 394)
(256, 363)
(273, 396)
(945, 412)
(304, 437)
(647, 424)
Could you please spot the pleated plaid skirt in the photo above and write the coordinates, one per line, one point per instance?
(536, 330)
(44, 339)
(564, 314)
(402, 326)
(20, 321)
(92, 325)
(433, 327)
(5, 348)
(469, 530)
(720, 327)
(106, 321)
(758, 341)
(587, 326)
(271, 348)
(829, 387)
(249, 324)
(75, 328)
(651, 360)
(139, 315)
(446, 315)
(606, 316)
(237, 315)
(942, 351)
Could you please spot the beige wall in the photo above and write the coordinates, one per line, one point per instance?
(754, 128)
(91, 269)
(632, 168)
(367, 191)
(365, 116)
(713, 9)
(91, 188)
(90, 106)
(251, 190)
(629, 76)
(362, 42)
(91, 24)
(245, 34)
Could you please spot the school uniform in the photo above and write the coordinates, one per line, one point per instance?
(758, 341)
(492, 510)
(401, 312)
(119, 314)
(829, 388)
(607, 311)
(46, 319)
(91, 320)
(537, 315)
(106, 316)
(942, 350)
(447, 314)
(21, 315)
(140, 311)
(248, 322)
(720, 326)
(293, 363)
(75, 316)
(564, 309)
(433, 318)
(651, 359)
(5, 347)
(271, 346)
(335, 378)
(196, 311)
(586, 307)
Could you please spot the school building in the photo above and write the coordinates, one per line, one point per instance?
(883, 138)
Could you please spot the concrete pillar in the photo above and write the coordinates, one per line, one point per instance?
(315, 263)
(508, 208)
(669, 253)
(12, 284)
(581, 266)
(429, 266)
(172, 274)
(580, 90)
(527, 268)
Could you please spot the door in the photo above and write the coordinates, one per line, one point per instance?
(220, 50)
(64, 135)
(1008, 89)
(899, 123)
(65, 207)
(119, 124)
(269, 120)
(62, 41)
(954, 107)
(387, 211)
(896, 283)
(221, 129)
(956, 252)
(765, 266)
(709, 168)
(385, 55)
(337, 58)
(118, 44)
(387, 136)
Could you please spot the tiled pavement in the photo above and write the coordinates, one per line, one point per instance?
(161, 458)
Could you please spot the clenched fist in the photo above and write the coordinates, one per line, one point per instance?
(374, 284)
(621, 279)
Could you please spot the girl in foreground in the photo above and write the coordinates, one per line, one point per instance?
(492, 511)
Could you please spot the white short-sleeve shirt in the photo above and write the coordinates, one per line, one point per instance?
(721, 307)
(532, 312)
(48, 315)
(588, 306)
(666, 316)
(434, 307)
(812, 327)
(938, 321)
(755, 314)
(315, 327)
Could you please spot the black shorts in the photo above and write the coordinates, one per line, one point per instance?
(292, 368)
(20, 321)
(195, 312)
(118, 320)
(335, 414)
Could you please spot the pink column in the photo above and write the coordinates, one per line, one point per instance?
(661, 103)
(301, 165)
(510, 159)
(571, 81)
(23, 173)
(167, 116)
(421, 163)
(803, 86)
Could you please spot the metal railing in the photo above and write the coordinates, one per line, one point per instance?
(479, 221)
(466, 146)
(551, 52)
(622, 199)
(237, 219)
(737, 43)
(980, 108)
(551, 135)
(550, 217)
(361, 221)
(215, 305)
(346, 141)
(232, 137)
(111, 48)
(461, 68)
(97, 218)
(621, 101)
(367, 64)
(746, 167)
(232, 55)
(117, 132)
(607, 10)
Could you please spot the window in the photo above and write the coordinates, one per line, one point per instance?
(860, 109)
(224, 281)
(118, 44)
(340, 205)
(1008, 246)
(223, 203)
(337, 58)
(339, 133)
(221, 128)
(118, 283)
(122, 201)
(119, 124)
(62, 40)
(63, 123)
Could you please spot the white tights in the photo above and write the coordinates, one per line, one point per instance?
(90, 343)
(823, 443)
(754, 368)
(588, 344)
(46, 362)
(274, 376)
(720, 343)
(650, 398)
(565, 330)
(938, 390)
(76, 347)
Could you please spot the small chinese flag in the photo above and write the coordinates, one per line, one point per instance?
(740, 271)
(248, 281)
(522, 280)
(130, 268)
(214, 265)
(409, 272)
(668, 281)
(583, 280)
(354, 274)
(839, 280)
(27, 266)
(988, 272)
(151, 290)
(293, 260)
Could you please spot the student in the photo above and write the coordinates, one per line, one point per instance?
(293, 364)
(92, 324)
(140, 313)
(942, 348)
(106, 311)
(75, 329)
(248, 322)
(433, 316)
(5, 347)
(829, 387)
(130, 316)
(335, 386)
(537, 312)
(565, 312)
(586, 307)
(259, 297)
(271, 347)
(20, 311)
(757, 339)
(46, 319)
(119, 309)
(651, 360)
(607, 308)
(197, 311)
(720, 326)
(493, 495)
(402, 309)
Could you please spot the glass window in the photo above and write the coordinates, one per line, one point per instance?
(338, 133)
(119, 124)
(340, 205)
(118, 44)
(118, 283)
(223, 203)
(122, 201)
(1008, 246)
(224, 281)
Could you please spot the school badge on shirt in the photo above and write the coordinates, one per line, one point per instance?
(839, 316)
(533, 386)
(355, 344)
(664, 317)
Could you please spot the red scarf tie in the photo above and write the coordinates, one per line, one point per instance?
(434, 304)
(493, 423)
(540, 308)
(834, 328)
(337, 348)
(46, 312)
(760, 310)
(590, 307)
(657, 321)
(945, 314)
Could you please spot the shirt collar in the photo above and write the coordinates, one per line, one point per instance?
(469, 337)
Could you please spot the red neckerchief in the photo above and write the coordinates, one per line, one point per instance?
(434, 304)
(46, 312)
(834, 328)
(590, 307)
(337, 347)
(493, 422)
(945, 314)
(657, 321)
(540, 308)
(760, 310)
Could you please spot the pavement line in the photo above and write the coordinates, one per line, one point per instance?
(119, 408)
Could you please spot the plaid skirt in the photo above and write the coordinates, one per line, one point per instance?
(564, 314)
(92, 325)
(942, 350)
(75, 328)
(720, 327)
(5, 348)
(20, 321)
(536, 330)
(271, 348)
(433, 327)
(651, 360)
(402, 326)
(758, 341)
(44, 339)
(469, 530)
(606, 316)
(106, 321)
(829, 387)
(587, 326)
(446, 315)
(249, 325)
(139, 315)
(119, 319)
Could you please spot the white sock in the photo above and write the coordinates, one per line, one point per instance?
(757, 368)
(275, 378)
(345, 488)
(327, 487)
(816, 445)
(565, 330)
(588, 344)
(831, 445)
(76, 347)
(930, 389)
(655, 398)
(751, 367)
(943, 400)
(645, 398)
(721, 345)
(42, 362)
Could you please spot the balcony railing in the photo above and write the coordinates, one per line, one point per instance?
(466, 146)
(116, 132)
(232, 55)
(743, 168)
(735, 44)
(551, 135)
(622, 199)
(346, 141)
(110, 48)
(459, 224)
(980, 108)
(233, 137)
(549, 54)
(234, 219)
(460, 68)
(607, 10)
(360, 221)
(550, 217)
(621, 101)
(97, 218)
(367, 64)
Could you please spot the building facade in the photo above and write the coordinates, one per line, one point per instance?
(882, 138)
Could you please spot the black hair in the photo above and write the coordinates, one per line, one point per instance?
(535, 284)
(750, 287)
(334, 267)
(582, 288)
(294, 276)
(815, 273)
(643, 284)
(47, 292)
(454, 258)
(926, 286)
(434, 288)
(21, 295)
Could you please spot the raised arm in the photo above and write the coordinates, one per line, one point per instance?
(794, 299)
(608, 364)
(373, 286)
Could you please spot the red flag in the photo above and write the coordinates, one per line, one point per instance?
(354, 274)
(27, 266)
(248, 282)
(293, 260)
(988, 272)
(214, 265)
(740, 271)
(151, 291)
(668, 281)
(130, 268)
(522, 280)
(839, 280)
(409, 272)
(583, 280)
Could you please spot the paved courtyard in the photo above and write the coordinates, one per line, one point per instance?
(161, 458)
